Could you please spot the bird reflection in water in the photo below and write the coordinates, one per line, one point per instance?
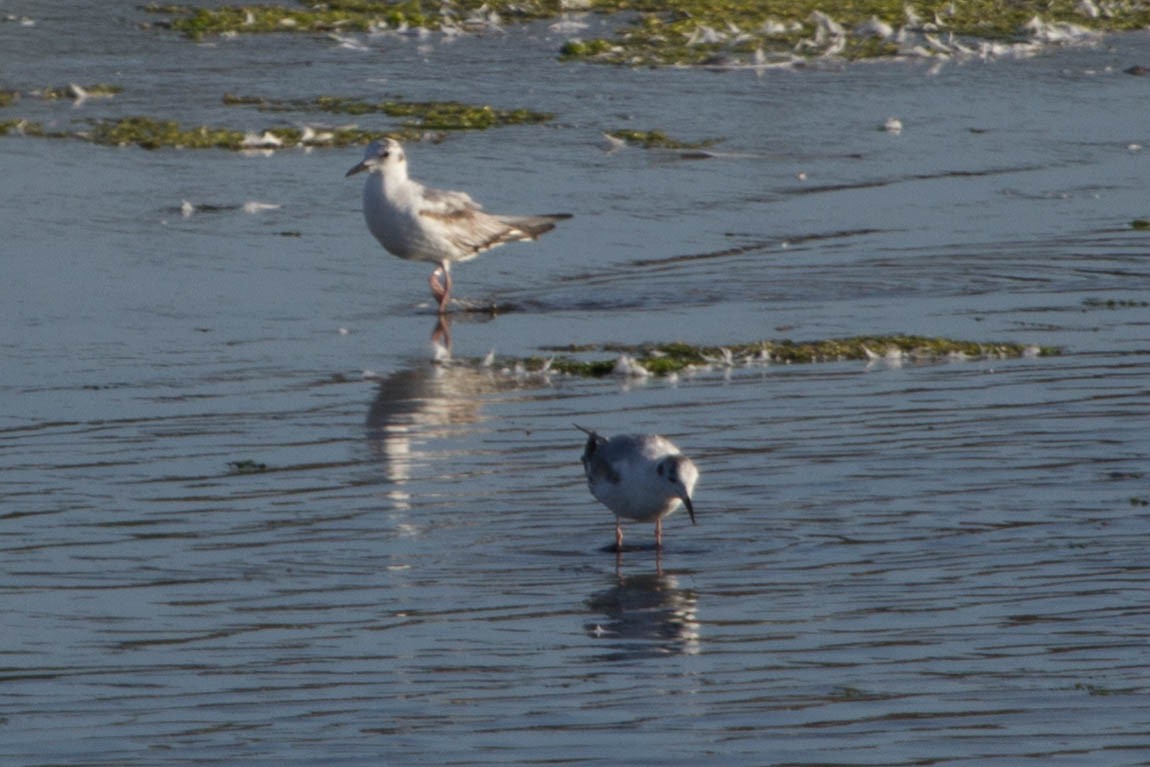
(441, 339)
(645, 615)
(416, 407)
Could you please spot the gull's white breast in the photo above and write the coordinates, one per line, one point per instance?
(392, 216)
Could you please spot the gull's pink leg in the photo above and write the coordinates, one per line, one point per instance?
(618, 534)
(446, 287)
(659, 533)
(441, 290)
(438, 288)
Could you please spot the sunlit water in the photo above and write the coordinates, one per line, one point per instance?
(917, 564)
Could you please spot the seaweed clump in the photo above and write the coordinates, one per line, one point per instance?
(656, 139)
(425, 115)
(673, 358)
(22, 128)
(421, 121)
(151, 133)
(747, 32)
(74, 91)
(53, 93)
(731, 33)
(311, 16)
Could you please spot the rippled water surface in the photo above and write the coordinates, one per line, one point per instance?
(938, 563)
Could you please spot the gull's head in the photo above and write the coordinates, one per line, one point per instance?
(379, 156)
(680, 474)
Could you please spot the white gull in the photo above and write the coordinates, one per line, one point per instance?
(418, 223)
(642, 477)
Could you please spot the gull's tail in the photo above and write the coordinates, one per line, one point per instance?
(593, 443)
(534, 226)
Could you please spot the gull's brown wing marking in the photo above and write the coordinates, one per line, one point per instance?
(474, 231)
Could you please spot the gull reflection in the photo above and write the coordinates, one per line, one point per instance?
(645, 615)
(416, 407)
(441, 339)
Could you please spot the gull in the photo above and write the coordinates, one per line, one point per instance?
(643, 477)
(418, 223)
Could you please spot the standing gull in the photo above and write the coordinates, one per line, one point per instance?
(642, 477)
(418, 223)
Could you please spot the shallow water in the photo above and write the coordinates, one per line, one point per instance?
(894, 564)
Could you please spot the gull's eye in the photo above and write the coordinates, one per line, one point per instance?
(659, 469)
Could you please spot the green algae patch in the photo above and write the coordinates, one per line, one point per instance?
(655, 139)
(200, 23)
(424, 115)
(721, 33)
(21, 128)
(155, 133)
(316, 16)
(586, 49)
(748, 32)
(150, 133)
(74, 91)
(452, 115)
(673, 358)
